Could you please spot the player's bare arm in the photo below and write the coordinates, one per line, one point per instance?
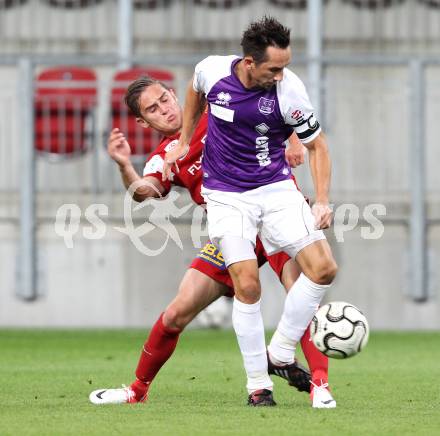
(320, 167)
(120, 151)
(195, 104)
(295, 151)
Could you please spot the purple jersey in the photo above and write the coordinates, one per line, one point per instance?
(247, 128)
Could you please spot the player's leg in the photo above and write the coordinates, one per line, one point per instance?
(302, 301)
(317, 361)
(248, 323)
(232, 222)
(197, 290)
(287, 271)
(288, 224)
(318, 264)
(318, 268)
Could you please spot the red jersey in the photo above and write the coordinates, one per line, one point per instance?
(190, 166)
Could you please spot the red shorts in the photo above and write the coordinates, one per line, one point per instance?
(210, 262)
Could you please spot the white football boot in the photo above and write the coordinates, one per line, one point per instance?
(321, 397)
(115, 396)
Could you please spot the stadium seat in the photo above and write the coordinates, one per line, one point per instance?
(151, 4)
(373, 4)
(226, 4)
(289, 4)
(141, 140)
(72, 4)
(64, 117)
(5, 4)
(431, 3)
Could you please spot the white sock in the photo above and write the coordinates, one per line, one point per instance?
(249, 328)
(301, 304)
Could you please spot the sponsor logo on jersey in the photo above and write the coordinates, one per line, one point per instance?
(196, 166)
(262, 149)
(262, 128)
(222, 112)
(297, 115)
(266, 106)
(211, 254)
(223, 98)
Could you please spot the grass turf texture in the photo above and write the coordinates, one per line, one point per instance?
(390, 388)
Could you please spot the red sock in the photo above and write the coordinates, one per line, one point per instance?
(156, 351)
(318, 362)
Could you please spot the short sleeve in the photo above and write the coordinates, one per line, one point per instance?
(199, 79)
(296, 108)
(209, 71)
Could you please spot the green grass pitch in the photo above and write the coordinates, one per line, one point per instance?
(391, 388)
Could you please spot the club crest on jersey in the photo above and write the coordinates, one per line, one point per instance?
(266, 106)
(171, 145)
(223, 98)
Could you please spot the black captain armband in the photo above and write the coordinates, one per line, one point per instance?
(307, 128)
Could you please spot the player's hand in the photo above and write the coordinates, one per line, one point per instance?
(295, 151)
(294, 156)
(171, 160)
(118, 147)
(323, 215)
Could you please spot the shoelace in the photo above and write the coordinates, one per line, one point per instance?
(130, 392)
(321, 386)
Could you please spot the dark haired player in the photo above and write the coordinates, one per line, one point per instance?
(255, 103)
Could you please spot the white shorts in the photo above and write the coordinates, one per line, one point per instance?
(277, 213)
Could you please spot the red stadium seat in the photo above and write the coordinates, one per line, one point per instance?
(151, 4)
(216, 4)
(72, 4)
(64, 102)
(5, 4)
(141, 140)
(431, 3)
(291, 4)
(373, 4)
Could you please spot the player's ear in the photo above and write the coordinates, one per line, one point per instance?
(248, 62)
(142, 122)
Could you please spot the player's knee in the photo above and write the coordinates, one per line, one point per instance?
(325, 274)
(174, 318)
(248, 289)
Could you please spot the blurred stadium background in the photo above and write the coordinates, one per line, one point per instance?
(373, 72)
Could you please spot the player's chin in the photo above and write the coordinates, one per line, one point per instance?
(172, 126)
(268, 86)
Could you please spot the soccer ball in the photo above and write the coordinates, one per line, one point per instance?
(339, 330)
